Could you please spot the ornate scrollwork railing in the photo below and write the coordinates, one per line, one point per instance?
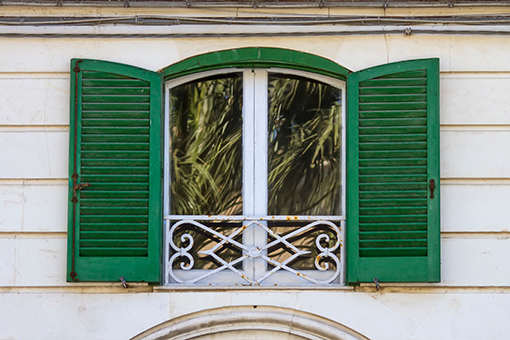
(182, 257)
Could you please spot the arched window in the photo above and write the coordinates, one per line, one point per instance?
(259, 154)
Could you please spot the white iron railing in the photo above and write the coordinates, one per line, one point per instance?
(181, 260)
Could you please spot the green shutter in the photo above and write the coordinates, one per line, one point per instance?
(392, 157)
(115, 218)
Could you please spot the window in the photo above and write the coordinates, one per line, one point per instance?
(255, 155)
(119, 140)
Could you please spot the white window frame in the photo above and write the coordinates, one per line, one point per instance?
(255, 168)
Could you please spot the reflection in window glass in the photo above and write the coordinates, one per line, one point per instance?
(206, 146)
(304, 147)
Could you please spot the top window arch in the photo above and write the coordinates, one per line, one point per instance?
(118, 135)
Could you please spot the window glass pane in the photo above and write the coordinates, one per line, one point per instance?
(206, 146)
(304, 147)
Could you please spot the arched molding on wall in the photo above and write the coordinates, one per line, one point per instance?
(248, 318)
(256, 57)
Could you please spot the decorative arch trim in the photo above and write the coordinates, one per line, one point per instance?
(256, 57)
(239, 318)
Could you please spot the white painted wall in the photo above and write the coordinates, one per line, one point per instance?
(472, 300)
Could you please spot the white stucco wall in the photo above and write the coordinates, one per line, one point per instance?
(471, 302)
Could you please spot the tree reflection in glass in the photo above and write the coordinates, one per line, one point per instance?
(206, 147)
(304, 147)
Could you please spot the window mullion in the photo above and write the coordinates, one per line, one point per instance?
(260, 151)
(260, 166)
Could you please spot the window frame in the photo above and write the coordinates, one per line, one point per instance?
(107, 266)
(255, 107)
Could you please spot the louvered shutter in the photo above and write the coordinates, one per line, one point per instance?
(115, 171)
(393, 173)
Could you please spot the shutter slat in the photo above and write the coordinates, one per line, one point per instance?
(87, 74)
(393, 154)
(381, 228)
(401, 234)
(406, 202)
(98, 170)
(113, 235)
(392, 210)
(115, 122)
(393, 106)
(393, 122)
(113, 252)
(392, 178)
(393, 252)
(114, 162)
(113, 227)
(370, 163)
(121, 154)
(115, 130)
(115, 114)
(96, 98)
(114, 210)
(393, 138)
(383, 130)
(393, 146)
(126, 202)
(115, 178)
(381, 194)
(126, 243)
(114, 83)
(125, 91)
(101, 186)
(114, 218)
(126, 138)
(116, 106)
(115, 146)
(394, 82)
(405, 96)
(392, 90)
(393, 170)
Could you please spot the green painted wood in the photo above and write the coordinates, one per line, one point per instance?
(118, 132)
(115, 146)
(113, 235)
(114, 202)
(392, 98)
(114, 227)
(392, 90)
(381, 228)
(409, 234)
(393, 146)
(393, 138)
(116, 114)
(392, 153)
(256, 57)
(401, 121)
(124, 91)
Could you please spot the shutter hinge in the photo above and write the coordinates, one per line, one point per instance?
(124, 283)
(77, 187)
(77, 68)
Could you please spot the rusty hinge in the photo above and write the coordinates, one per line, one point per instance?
(77, 187)
(432, 186)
